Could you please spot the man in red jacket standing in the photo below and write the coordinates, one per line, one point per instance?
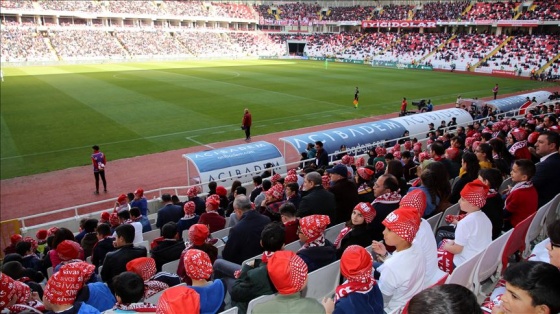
(246, 124)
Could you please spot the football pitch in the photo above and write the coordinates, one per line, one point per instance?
(52, 115)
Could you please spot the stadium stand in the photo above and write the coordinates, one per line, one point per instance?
(25, 39)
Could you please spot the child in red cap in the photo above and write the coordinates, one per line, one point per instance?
(14, 239)
(402, 275)
(360, 292)
(212, 218)
(316, 250)
(473, 233)
(288, 273)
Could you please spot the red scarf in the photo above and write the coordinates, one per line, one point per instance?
(340, 236)
(513, 148)
(388, 198)
(266, 255)
(362, 285)
(137, 307)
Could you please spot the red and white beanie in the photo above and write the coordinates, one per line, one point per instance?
(193, 191)
(415, 199)
(276, 192)
(10, 288)
(62, 288)
(144, 267)
(313, 226)
(189, 208)
(475, 192)
(287, 271)
(367, 211)
(404, 221)
(213, 202)
(197, 264)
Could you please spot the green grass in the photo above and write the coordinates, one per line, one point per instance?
(52, 115)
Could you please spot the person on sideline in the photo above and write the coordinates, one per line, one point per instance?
(99, 161)
(495, 90)
(246, 124)
(356, 97)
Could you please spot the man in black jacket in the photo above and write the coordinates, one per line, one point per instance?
(170, 248)
(547, 172)
(315, 199)
(115, 262)
(345, 193)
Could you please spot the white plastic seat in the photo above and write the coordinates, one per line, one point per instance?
(463, 274)
(294, 246)
(155, 298)
(434, 221)
(490, 262)
(259, 300)
(332, 232)
(145, 244)
(170, 267)
(232, 310)
(220, 233)
(451, 210)
(505, 184)
(151, 235)
(323, 281)
(536, 226)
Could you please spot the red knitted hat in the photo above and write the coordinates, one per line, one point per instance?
(367, 211)
(287, 271)
(415, 199)
(198, 233)
(144, 267)
(475, 192)
(404, 221)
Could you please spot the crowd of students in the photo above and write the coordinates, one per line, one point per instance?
(379, 205)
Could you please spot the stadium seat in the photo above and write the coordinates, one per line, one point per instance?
(489, 265)
(145, 244)
(554, 211)
(323, 281)
(151, 235)
(88, 260)
(516, 241)
(451, 210)
(332, 232)
(507, 182)
(294, 246)
(155, 298)
(536, 226)
(220, 233)
(434, 221)
(232, 310)
(463, 274)
(170, 267)
(259, 300)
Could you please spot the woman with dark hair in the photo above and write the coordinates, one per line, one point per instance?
(435, 184)
(494, 201)
(445, 299)
(395, 168)
(234, 186)
(485, 156)
(59, 236)
(502, 158)
(469, 168)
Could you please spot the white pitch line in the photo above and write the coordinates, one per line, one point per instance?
(190, 138)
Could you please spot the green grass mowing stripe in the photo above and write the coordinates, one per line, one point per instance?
(143, 108)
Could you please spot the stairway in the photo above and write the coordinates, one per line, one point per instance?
(437, 48)
(549, 63)
(492, 53)
(123, 46)
(49, 45)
